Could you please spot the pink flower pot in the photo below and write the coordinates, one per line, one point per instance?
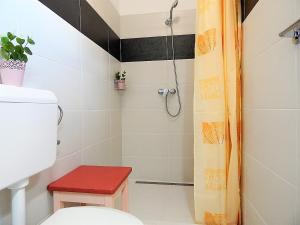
(120, 84)
(12, 72)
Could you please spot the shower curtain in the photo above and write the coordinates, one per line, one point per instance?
(217, 113)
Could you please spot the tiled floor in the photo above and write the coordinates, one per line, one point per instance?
(160, 204)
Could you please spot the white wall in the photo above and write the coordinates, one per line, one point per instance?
(271, 116)
(128, 7)
(158, 147)
(81, 75)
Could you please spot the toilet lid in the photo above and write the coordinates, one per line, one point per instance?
(91, 216)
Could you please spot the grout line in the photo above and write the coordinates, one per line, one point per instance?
(271, 171)
(261, 52)
(254, 209)
(164, 183)
(270, 109)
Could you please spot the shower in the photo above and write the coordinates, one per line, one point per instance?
(166, 92)
(169, 21)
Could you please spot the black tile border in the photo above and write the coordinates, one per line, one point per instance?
(143, 49)
(247, 6)
(157, 48)
(81, 15)
(86, 20)
(184, 46)
(69, 10)
(93, 26)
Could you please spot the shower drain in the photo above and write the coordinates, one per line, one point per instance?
(164, 183)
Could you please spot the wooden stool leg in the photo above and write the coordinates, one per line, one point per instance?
(109, 202)
(125, 197)
(57, 203)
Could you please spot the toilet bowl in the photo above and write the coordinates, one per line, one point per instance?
(89, 215)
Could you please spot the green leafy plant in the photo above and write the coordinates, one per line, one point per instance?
(15, 48)
(120, 76)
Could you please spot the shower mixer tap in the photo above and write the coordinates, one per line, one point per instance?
(165, 91)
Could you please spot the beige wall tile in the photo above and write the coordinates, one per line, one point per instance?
(144, 121)
(272, 76)
(153, 24)
(142, 145)
(271, 103)
(281, 14)
(251, 216)
(271, 137)
(147, 129)
(95, 127)
(128, 7)
(181, 169)
(272, 197)
(149, 73)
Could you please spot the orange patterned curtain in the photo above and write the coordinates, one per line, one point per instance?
(217, 113)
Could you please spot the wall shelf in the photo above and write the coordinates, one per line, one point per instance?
(293, 32)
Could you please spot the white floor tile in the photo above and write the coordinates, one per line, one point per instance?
(161, 204)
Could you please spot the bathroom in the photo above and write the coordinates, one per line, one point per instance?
(148, 124)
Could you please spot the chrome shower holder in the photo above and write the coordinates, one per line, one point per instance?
(293, 32)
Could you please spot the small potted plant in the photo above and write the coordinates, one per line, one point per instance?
(120, 80)
(14, 53)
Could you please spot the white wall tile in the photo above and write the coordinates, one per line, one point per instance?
(181, 145)
(98, 154)
(144, 25)
(144, 121)
(7, 9)
(63, 80)
(94, 97)
(128, 7)
(273, 198)
(281, 14)
(142, 145)
(142, 97)
(153, 24)
(271, 137)
(149, 168)
(95, 127)
(70, 133)
(115, 123)
(148, 131)
(272, 77)
(149, 73)
(185, 71)
(181, 169)
(114, 95)
(55, 38)
(116, 151)
(80, 74)
(251, 216)
(94, 58)
(271, 115)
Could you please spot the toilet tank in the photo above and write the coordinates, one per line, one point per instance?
(28, 133)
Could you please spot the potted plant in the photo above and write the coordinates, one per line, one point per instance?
(120, 80)
(14, 53)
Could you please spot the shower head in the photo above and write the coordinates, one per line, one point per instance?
(175, 4)
(169, 21)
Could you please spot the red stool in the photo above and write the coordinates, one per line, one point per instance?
(97, 185)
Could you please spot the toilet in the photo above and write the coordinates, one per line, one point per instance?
(91, 216)
(28, 119)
